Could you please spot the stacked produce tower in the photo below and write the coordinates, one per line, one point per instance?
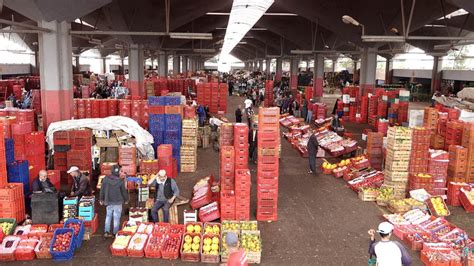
(399, 142)
(268, 162)
(189, 146)
(127, 159)
(468, 142)
(457, 166)
(242, 173)
(213, 95)
(438, 169)
(227, 181)
(374, 149)
(269, 97)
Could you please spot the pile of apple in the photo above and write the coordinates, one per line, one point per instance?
(230, 226)
(121, 241)
(45, 242)
(75, 226)
(155, 243)
(174, 229)
(212, 229)
(6, 227)
(248, 226)
(210, 245)
(192, 243)
(251, 242)
(171, 245)
(193, 229)
(62, 242)
(439, 206)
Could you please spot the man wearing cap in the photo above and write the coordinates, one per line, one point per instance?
(237, 256)
(113, 194)
(166, 193)
(80, 183)
(387, 252)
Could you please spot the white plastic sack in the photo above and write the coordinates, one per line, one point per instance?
(143, 138)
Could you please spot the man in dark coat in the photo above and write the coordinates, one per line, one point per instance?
(253, 142)
(238, 114)
(80, 183)
(42, 183)
(312, 151)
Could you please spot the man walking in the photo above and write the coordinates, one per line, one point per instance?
(238, 114)
(113, 195)
(312, 151)
(166, 193)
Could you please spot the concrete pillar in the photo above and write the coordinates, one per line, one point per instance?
(104, 65)
(334, 61)
(185, 64)
(152, 59)
(260, 65)
(388, 70)
(122, 65)
(176, 64)
(279, 69)
(318, 76)
(368, 71)
(436, 74)
(162, 65)
(76, 58)
(294, 73)
(267, 67)
(192, 66)
(136, 64)
(355, 75)
(55, 50)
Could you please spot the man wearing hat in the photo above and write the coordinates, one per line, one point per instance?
(113, 194)
(237, 256)
(166, 193)
(387, 252)
(80, 183)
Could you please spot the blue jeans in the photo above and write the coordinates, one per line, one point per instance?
(166, 210)
(114, 211)
(309, 117)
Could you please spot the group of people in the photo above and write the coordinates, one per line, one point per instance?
(113, 193)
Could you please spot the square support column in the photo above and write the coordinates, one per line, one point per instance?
(279, 69)
(176, 64)
(368, 71)
(388, 70)
(136, 64)
(318, 76)
(436, 74)
(55, 50)
(162, 65)
(294, 73)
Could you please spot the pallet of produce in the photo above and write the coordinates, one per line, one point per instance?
(252, 244)
(120, 244)
(384, 196)
(25, 250)
(190, 247)
(210, 248)
(437, 206)
(229, 225)
(42, 249)
(78, 226)
(398, 206)
(248, 226)
(171, 246)
(63, 244)
(154, 245)
(368, 193)
(212, 229)
(7, 225)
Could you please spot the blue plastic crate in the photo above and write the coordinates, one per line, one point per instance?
(156, 118)
(18, 172)
(9, 151)
(173, 118)
(154, 127)
(80, 235)
(173, 126)
(70, 200)
(172, 135)
(67, 255)
(154, 100)
(172, 100)
(87, 216)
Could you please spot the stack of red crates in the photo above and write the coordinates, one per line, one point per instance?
(363, 110)
(227, 206)
(268, 162)
(241, 145)
(382, 107)
(438, 169)
(124, 108)
(19, 131)
(80, 153)
(442, 122)
(419, 156)
(3, 160)
(200, 93)
(453, 136)
(166, 161)
(372, 110)
(127, 159)
(269, 97)
(242, 194)
(214, 98)
(12, 201)
(454, 190)
(457, 163)
(468, 142)
(149, 166)
(227, 169)
(415, 181)
(226, 136)
(35, 148)
(7, 123)
(223, 92)
(374, 149)
(430, 119)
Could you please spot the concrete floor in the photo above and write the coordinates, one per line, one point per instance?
(321, 221)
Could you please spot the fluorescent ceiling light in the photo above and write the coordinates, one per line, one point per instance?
(243, 16)
(242, 42)
(83, 23)
(459, 12)
(266, 14)
(301, 52)
(250, 29)
(435, 26)
(190, 35)
(383, 39)
(204, 50)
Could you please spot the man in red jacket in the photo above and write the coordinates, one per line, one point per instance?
(237, 256)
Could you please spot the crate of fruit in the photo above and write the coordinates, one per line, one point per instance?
(437, 206)
(53, 227)
(212, 229)
(224, 251)
(248, 226)
(415, 240)
(78, 226)
(120, 244)
(7, 225)
(154, 245)
(398, 206)
(136, 245)
(190, 247)
(252, 244)
(466, 198)
(129, 226)
(42, 249)
(7, 248)
(210, 248)
(176, 229)
(25, 250)
(230, 225)
(62, 246)
(38, 230)
(160, 228)
(368, 193)
(194, 227)
(171, 247)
